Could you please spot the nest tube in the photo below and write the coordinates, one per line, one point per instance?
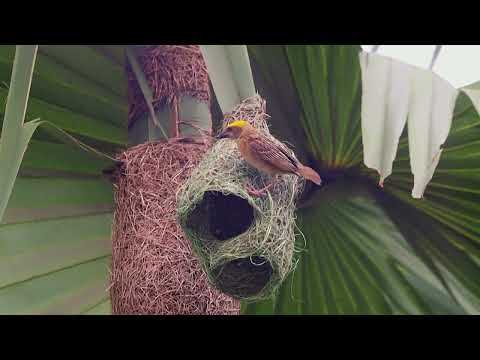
(153, 268)
(246, 245)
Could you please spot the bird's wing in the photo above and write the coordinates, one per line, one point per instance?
(276, 154)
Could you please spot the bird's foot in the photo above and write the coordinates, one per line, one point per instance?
(257, 192)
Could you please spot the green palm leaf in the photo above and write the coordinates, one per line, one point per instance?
(366, 250)
(448, 220)
(330, 92)
(55, 233)
(369, 250)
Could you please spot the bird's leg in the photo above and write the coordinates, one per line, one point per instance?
(260, 192)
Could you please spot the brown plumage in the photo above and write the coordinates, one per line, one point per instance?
(266, 154)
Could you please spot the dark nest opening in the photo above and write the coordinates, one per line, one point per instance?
(220, 216)
(243, 277)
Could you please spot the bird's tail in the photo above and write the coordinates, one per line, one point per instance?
(309, 174)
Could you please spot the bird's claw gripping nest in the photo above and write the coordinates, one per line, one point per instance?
(257, 192)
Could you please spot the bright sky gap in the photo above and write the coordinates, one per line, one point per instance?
(458, 64)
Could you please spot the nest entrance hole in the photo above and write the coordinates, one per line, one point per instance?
(221, 216)
(243, 277)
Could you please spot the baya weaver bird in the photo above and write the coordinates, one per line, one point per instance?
(265, 154)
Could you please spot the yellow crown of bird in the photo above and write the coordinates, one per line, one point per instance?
(238, 123)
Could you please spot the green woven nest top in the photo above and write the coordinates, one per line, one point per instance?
(246, 244)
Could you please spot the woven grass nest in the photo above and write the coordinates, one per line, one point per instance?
(246, 244)
(153, 268)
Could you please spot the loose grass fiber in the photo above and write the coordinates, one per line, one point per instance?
(246, 244)
(153, 268)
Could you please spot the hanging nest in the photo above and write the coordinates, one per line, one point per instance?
(246, 244)
(172, 71)
(153, 268)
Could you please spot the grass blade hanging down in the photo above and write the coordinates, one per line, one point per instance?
(430, 118)
(15, 135)
(145, 87)
(385, 101)
(230, 73)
